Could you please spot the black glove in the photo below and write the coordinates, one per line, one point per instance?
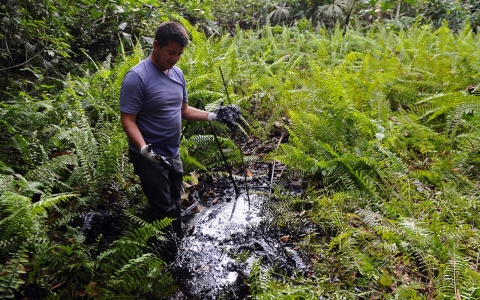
(147, 151)
(228, 115)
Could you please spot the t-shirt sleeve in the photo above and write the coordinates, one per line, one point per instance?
(131, 93)
(185, 95)
(180, 78)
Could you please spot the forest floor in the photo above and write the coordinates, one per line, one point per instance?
(227, 233)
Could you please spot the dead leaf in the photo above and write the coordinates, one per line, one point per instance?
(92, 286)
(457, 295)
(57, 286)
(393, 119)
(284, 238)
(61, 153)
(186, 185)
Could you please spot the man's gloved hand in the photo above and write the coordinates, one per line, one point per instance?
(212, 116)
(228, 115)
(147, 151)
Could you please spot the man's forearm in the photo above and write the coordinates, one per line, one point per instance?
(194, 114)
(131, 129)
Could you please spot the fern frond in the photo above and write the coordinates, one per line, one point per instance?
(415, 240)
(53, 168)
(207, 153)
(12, 273)
(436, 105)
(16, 222)
(260, 279)
(457, 122)
(137, 220)
(372, 219)
(44, 204)
(129, 246)
(142, 274)
(292, 156)
(457, 279)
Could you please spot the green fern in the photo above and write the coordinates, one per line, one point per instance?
(137, 272)
(313, 150)
(22, 230)
(12, 271)
(143, 275)
(206, 147)
(458, 280)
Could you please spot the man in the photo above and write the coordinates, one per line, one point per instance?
(153, 101)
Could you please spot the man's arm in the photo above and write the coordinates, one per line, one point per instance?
(131, 129)
(135, 136)
(192, 114)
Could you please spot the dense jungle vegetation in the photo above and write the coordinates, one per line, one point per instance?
(380, 100)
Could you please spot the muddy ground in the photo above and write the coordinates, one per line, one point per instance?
(228, 232)
(227, 229)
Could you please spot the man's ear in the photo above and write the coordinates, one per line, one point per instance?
(156, 45)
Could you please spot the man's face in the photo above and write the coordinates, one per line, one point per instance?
(167, 56)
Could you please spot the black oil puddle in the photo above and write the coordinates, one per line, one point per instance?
(223, 242)
(105, 218)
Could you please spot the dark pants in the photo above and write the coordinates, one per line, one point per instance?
(162, 187)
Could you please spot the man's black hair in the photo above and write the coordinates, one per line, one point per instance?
(171, 31)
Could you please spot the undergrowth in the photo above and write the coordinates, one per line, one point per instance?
(382, 128)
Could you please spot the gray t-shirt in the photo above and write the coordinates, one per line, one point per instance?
(157, 100)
